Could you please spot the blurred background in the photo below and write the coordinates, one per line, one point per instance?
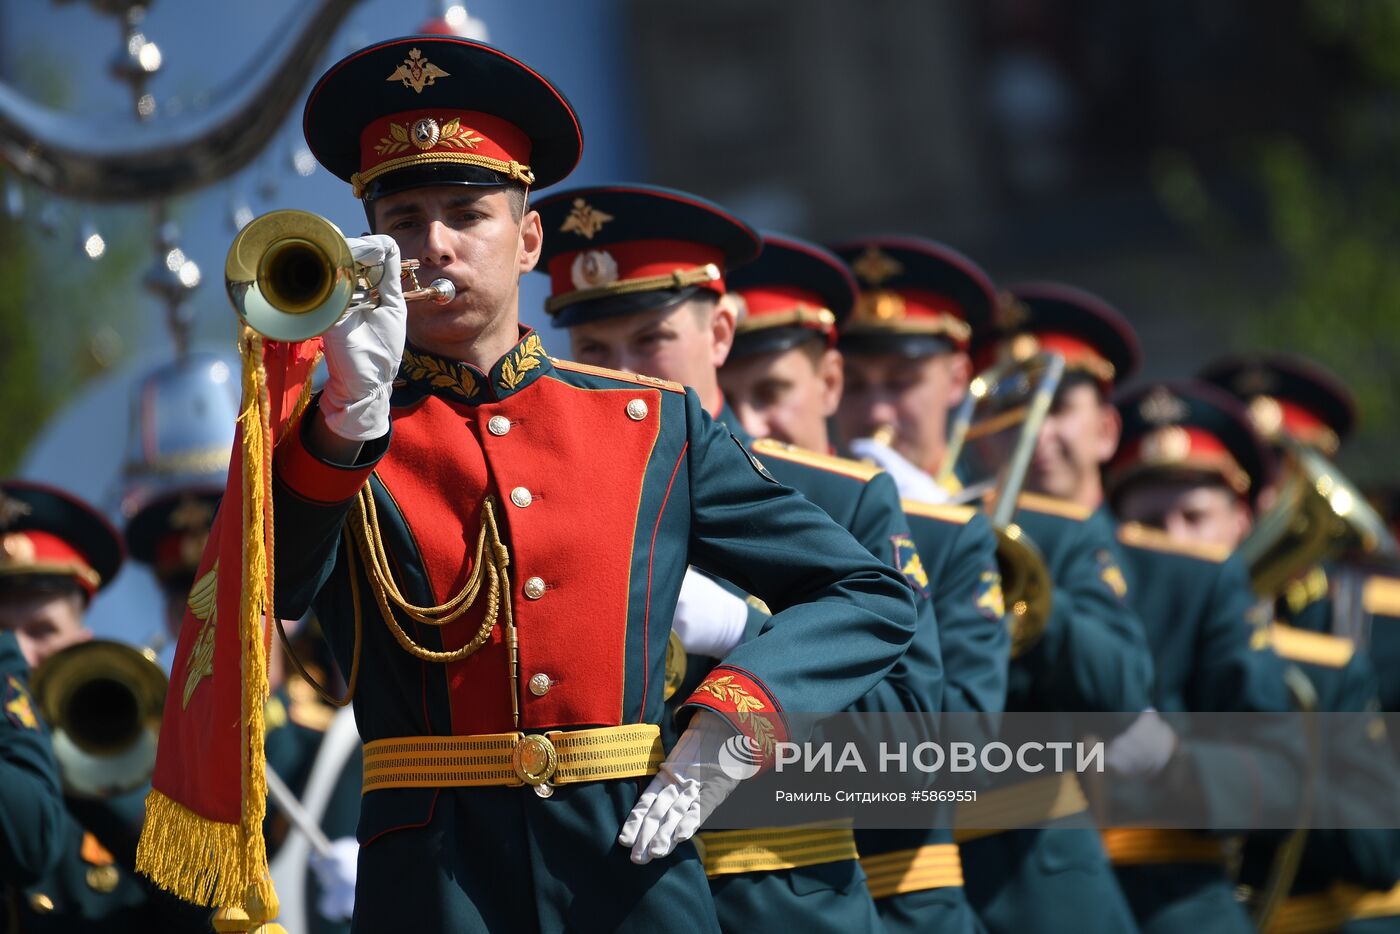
(1224, 173)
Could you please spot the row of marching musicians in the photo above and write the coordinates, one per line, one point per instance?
(1137, 501)
(1127, 557)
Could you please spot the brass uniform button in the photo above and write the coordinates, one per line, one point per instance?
(540, 684)
(534, 588)
(521, 497)
(636, 410)
(498, 425)
(102, 878)
(40, 903)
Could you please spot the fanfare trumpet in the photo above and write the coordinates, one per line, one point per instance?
(290, 276)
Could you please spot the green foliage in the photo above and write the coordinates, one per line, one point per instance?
(63, 320)
(1332, 221)
(23, 402)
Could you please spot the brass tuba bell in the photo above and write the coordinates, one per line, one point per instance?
(1319, 515)
(290, 276)
(103, 701)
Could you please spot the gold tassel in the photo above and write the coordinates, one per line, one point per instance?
(255, 607)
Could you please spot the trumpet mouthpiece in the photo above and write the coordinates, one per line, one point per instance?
(442, 291)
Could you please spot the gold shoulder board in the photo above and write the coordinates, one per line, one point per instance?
(944, 512)
(1054, 506)
(634, 378)
(831, 464)
(1141, 536)
(1313, 648)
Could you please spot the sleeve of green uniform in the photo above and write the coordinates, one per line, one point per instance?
(1363, 789)
(311, 497)
(31, 801)
(1093, 654)
(976, 646)
(1234, 775)
(916, 683)
(841, 618)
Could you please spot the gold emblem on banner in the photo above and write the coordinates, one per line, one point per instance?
(203, 604)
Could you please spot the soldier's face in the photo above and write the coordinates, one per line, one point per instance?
(43, 622)
(1080, 434)
(787, 395)
(470, 236)
(912, 396)
(685, 344)
(1189, 511)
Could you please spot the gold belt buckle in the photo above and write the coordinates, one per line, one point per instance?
(534, 759)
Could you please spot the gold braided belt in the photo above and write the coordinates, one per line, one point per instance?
(1024, 805)
(769, 849)
(935, 866)
(1135, 846)
(558, 757)
(1330, 910)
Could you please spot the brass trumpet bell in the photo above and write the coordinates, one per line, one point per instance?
(103, 701)
(290, 275)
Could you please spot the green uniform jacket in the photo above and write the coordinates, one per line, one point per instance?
(32, 812)
(1345, 682)
(864, 501)
(1092, 656)
(71, 861)
(958, 549)
(608, 487)
(1196, 603)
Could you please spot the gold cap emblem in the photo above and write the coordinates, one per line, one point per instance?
(1011, 313)
(584, 220)
(1162, 407)
(417, 72)
(875, 266)
(1255, 381)
(12, 510)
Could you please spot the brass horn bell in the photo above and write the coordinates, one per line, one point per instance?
(103, 701)
(290, 276)
(1319, 516)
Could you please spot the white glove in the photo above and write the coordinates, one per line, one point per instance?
(336, 876)
(1142, 750)
(686, 790)
(912, 482)
(709, 619)
(364, 348)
